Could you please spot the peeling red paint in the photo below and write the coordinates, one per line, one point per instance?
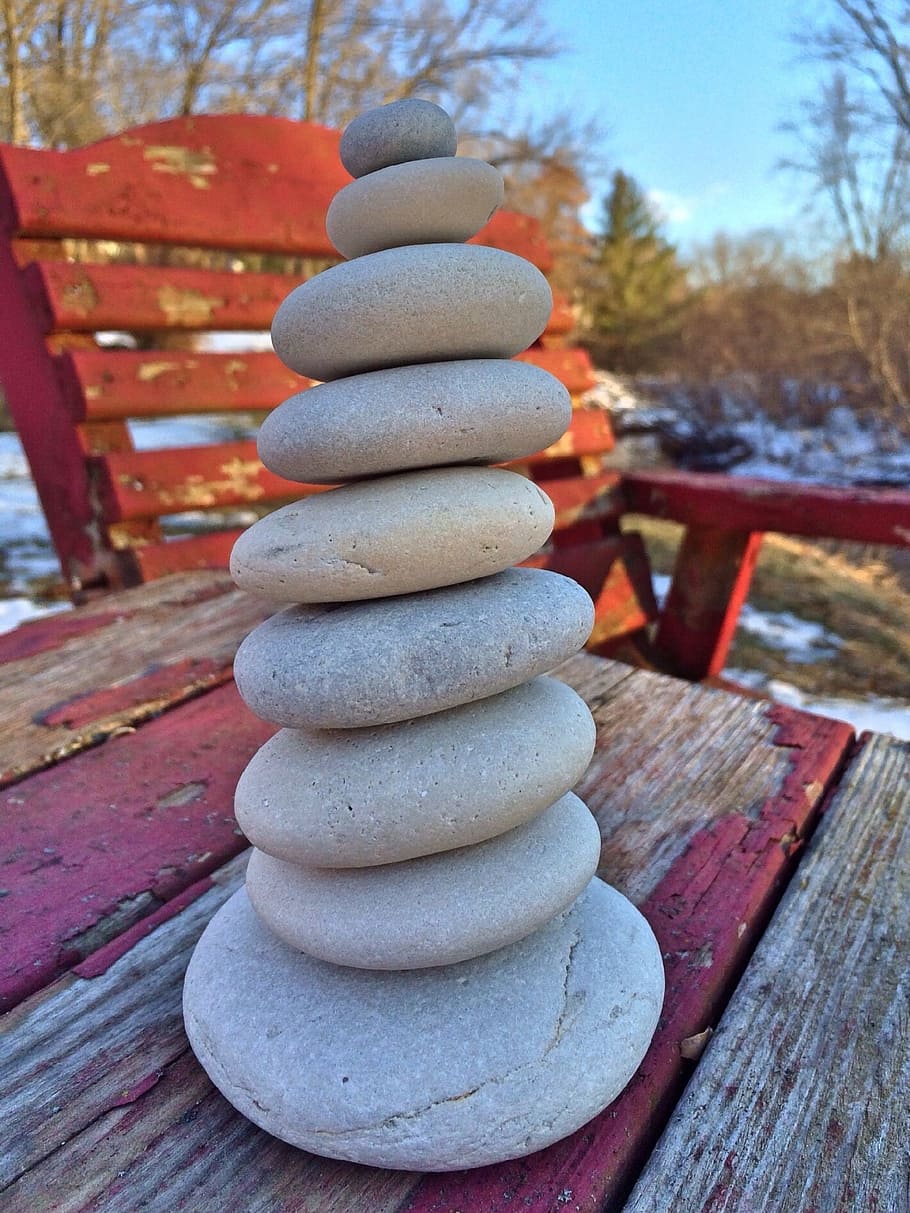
(99, 962)
(95, 837)
(731, 873)
(154, 683)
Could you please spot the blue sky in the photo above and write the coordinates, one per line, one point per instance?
(692, 93)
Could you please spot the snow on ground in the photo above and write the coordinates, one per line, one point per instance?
(723, 429)
(876, 714)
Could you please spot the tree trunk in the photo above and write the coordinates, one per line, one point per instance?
(17, 131)
(315, 29)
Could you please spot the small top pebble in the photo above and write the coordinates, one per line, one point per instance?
(392, 134)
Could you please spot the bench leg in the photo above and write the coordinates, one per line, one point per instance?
(710, 584)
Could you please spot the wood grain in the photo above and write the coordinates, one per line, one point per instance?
(159, 645)
(99, 842)
(802, 1100)
(108, 1098)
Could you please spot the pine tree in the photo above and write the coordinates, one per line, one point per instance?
(638, 290)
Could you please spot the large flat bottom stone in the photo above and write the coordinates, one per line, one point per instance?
(430, 1069)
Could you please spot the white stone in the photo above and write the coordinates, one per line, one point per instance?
(350, 797)
(412, 129)
(420, 303)
(427, 1069)
(487, 410)
(395, 535)
(437, 909)
(421, 202)
(392, 659)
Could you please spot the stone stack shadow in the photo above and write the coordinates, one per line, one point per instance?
(417, 984)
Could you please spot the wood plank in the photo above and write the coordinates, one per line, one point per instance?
(747, 504)
(100, 841)
(171, 1163)
(589, 433)
(813, 1048)
(109, 384)
(579, 497)
(518, 234)
(146, 484)
(183, 554)
(105, 385)
(84, 298)
(572, 367)
(616, 573)
(711, 578)
(184, 181)
(702, 848)
(155, 646)
(38, 408)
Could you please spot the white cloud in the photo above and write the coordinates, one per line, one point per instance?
(671, 207)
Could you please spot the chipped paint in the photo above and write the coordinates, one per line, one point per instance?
(80, 296)
(94, 392)
(189, 308)
(232, 370)
(95, 170)
(238, 481)
(563, 446)
(196, 166)
(151, 370)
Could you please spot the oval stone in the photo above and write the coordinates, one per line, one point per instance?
(435, 910)
(395, 535)
(420, 303)
(390, 134)
(486, 410)
(421, 202)
(356, 797)
(395, 658)
(494, 1058)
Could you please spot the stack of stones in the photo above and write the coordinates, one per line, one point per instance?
(423, 971)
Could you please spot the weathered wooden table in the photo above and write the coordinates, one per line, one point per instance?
(122, 738)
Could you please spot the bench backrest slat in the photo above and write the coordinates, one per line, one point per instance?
(175, 231)
(106, 385)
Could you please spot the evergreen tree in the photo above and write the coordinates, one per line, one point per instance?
(638, 289)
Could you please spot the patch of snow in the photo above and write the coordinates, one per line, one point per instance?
(661, 583)
(800, 640)
(153, 434)
(237, 343)
(875, 714)
(14, 611)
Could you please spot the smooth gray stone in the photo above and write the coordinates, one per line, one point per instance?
(395, 535)
(421, 202)
(435, 910)
(351, 797)
(487, 410)
(390, 134)
(395, 658)
(420, 303)
(427, 1069)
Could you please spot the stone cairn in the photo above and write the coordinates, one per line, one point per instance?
(423, 971)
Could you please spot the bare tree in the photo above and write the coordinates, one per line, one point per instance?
(20, 17)
(854, 146)
(870, 38)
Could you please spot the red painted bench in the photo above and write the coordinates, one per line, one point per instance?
(199, 225)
